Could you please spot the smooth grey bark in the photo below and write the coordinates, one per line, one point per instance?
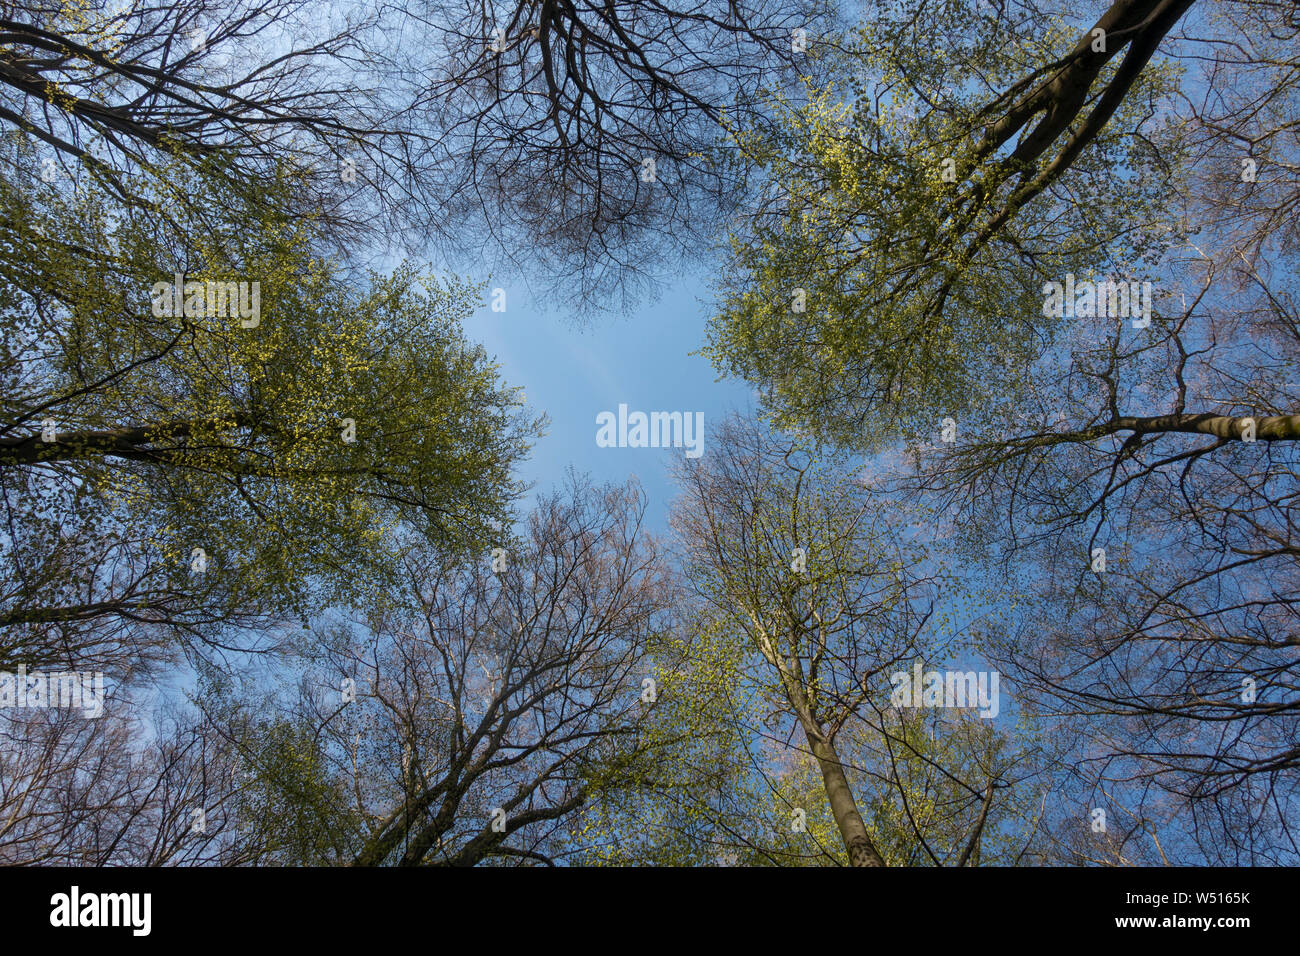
(844, 808)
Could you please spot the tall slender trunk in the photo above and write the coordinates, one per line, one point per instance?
(862, 852)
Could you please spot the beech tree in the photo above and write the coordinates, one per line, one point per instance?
(81, 791)
(467, 717)
(585, 132)
(795, 560)
(878, 282)
(1127, 468)
(199, 469)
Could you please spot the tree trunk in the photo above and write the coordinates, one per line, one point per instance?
(862, 852)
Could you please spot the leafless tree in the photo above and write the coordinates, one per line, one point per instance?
(488, 704)
(484, 128)
(81, 790)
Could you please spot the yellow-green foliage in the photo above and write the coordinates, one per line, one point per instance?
(246, 458)
(902, 319)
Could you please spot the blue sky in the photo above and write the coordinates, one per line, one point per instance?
(573, 373)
